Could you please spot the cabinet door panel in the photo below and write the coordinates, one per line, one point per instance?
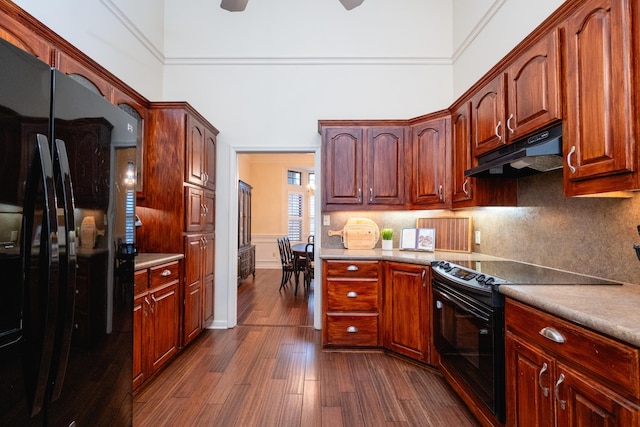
(430, 158)
(489, 125)
(165, 312)
(583, 402)
(461, 153)
(140, 313)
(195, 145)
(192, 312)
(342, 164)
(534, 92)
(209, 159)
(384, 152)
(598, 131)
(406, 315)
(529, 388)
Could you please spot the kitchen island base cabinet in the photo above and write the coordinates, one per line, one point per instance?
(559, 373)
(351, 302)
(407, 291)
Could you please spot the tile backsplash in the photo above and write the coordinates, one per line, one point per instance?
(589, 235)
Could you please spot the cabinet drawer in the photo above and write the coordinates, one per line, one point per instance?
(614, 362)
(356, 269)
(163, 274)
(352, 330)
(140, 281)
(352, 295)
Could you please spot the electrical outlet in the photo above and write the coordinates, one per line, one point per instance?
(477, 237)
(326, 220)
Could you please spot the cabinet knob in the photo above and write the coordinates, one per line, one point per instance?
(352, 329)
(352, 294)
(166, 273)
(352, 268)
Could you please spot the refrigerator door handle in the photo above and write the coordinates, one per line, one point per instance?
(40, 275)
(67, 283)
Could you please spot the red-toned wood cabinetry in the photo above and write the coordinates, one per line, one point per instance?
(559, 373)
(407, 308)
(156, 319)
(430, 159)
(364, 166)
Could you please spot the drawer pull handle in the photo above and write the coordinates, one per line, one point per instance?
(352, 294)
(166, 273)
(563, 403)
(352, 329)
(552, 335)
(352, 268)
(545, 390)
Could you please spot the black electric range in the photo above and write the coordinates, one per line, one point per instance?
(483, 278)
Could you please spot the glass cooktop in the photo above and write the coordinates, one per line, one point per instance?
(518, 273)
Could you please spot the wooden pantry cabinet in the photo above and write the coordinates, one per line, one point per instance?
(364, 165)
(559, 373)
(351, 303)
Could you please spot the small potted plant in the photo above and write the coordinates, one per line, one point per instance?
(387, 239)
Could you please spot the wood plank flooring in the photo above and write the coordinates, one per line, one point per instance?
(271, 370)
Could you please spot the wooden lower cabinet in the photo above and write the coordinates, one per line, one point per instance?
(199, 284)
(561, 374)
(351, 303)
(407, 296)
(156, 319)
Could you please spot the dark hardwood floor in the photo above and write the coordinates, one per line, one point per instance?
(270, 370)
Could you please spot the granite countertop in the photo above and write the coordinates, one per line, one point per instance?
(147, 260)
(610, 310)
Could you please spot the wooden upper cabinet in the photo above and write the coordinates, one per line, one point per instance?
(462, 190)
(21, 36)
(384, 153)
(533, 88)
(342, 166)
(600, 132)
(200, 154)
(524, 98)
(83, 73)
(363, 166)
(488, 109)
(430, 164)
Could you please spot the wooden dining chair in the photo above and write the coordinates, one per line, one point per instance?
(309, 267)
(286, 259)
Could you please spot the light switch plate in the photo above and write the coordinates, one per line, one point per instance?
(477, 237)
(326, 219)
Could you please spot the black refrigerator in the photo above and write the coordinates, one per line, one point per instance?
(67, 247)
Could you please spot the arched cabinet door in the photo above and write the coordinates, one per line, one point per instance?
(24, 38)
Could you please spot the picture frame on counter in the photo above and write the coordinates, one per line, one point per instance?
(418, 239)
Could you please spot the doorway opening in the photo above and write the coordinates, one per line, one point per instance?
(283, 203)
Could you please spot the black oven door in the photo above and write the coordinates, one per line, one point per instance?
(469, 338)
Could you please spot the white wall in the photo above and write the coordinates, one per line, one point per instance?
(126, 37)
(486, 30)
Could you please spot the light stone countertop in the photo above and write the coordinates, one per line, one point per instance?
(147, 259)
(610, 310)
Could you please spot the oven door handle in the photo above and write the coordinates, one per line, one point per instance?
(462, 306)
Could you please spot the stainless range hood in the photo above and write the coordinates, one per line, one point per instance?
(540, 152)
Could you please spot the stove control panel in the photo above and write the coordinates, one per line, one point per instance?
(465, 276)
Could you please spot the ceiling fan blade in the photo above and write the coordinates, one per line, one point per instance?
(234, 5)
(350, 4)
